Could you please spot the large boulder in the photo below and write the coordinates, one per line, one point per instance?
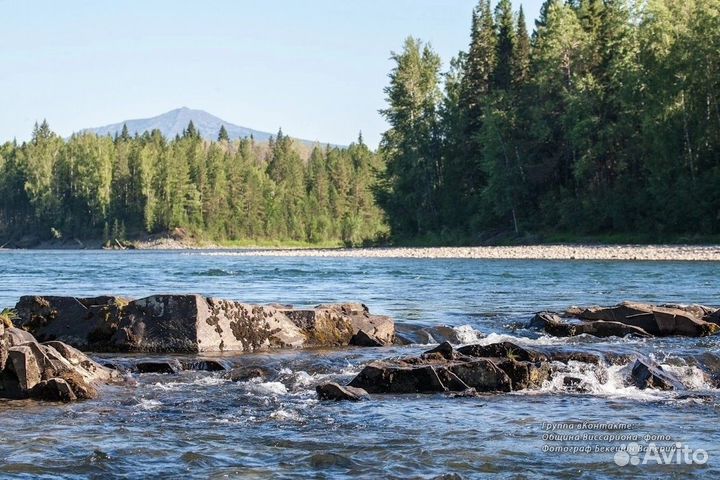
(400, 377)
(630, 319)
(194, 323)
(343, 324)
(657, 320)
(83, 322)
(482, 368)
(53, 371)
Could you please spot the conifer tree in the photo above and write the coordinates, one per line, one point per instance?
(502, 74)
(223, 134)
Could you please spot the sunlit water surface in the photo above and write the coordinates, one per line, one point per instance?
(201, 425)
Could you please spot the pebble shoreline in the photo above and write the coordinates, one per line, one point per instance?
(529, 252)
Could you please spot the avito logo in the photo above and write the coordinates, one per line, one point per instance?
(677, 454)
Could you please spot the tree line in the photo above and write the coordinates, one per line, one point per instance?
(90, 186)
(605, 120)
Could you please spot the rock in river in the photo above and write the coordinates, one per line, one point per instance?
(194, 323)
(489, 368)
(53, 371)
(630, 319)
(333, 391)
(499, 367)
(648, 374)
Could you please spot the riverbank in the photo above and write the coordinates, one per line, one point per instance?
(558, 251)
(526, 252)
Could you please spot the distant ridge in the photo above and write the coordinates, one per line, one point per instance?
(173, 123)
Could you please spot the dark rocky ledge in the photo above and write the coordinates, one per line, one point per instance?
(627, 318)
(194, 323)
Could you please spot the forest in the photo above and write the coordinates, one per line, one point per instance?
(124, 187)
(604, 120)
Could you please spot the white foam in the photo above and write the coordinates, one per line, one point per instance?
(692, 377)
(205, 380)
(303, 379)
(543, 340)
(283, 415)
(614, 381)
(148, 404)
(266, 388)
(467, 334)
(598, 380)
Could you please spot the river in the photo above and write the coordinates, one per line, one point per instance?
(202, 425)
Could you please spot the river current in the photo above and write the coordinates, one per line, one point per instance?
(202, 425)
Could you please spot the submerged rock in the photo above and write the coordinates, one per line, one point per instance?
(158, 367)
(193, 323)
(53, 371)
(245, 373)
(204, 365)
(630, 319)
(648, 374)
(572, 383)
(333, 391)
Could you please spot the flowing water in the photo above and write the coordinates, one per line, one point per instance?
(202, 425)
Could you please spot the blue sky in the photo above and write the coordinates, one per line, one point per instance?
(317, 67)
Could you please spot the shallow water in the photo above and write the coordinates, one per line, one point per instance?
(200, 425)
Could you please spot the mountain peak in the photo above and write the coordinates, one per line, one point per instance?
(175, 121)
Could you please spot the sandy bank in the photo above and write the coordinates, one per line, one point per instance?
(546, 252)
(706, 253)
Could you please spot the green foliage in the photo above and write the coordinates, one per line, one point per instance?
(605, 122)
(410, 182)
(225, 191)
(7, 316)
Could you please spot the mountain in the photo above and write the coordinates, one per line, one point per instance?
(175, 121)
